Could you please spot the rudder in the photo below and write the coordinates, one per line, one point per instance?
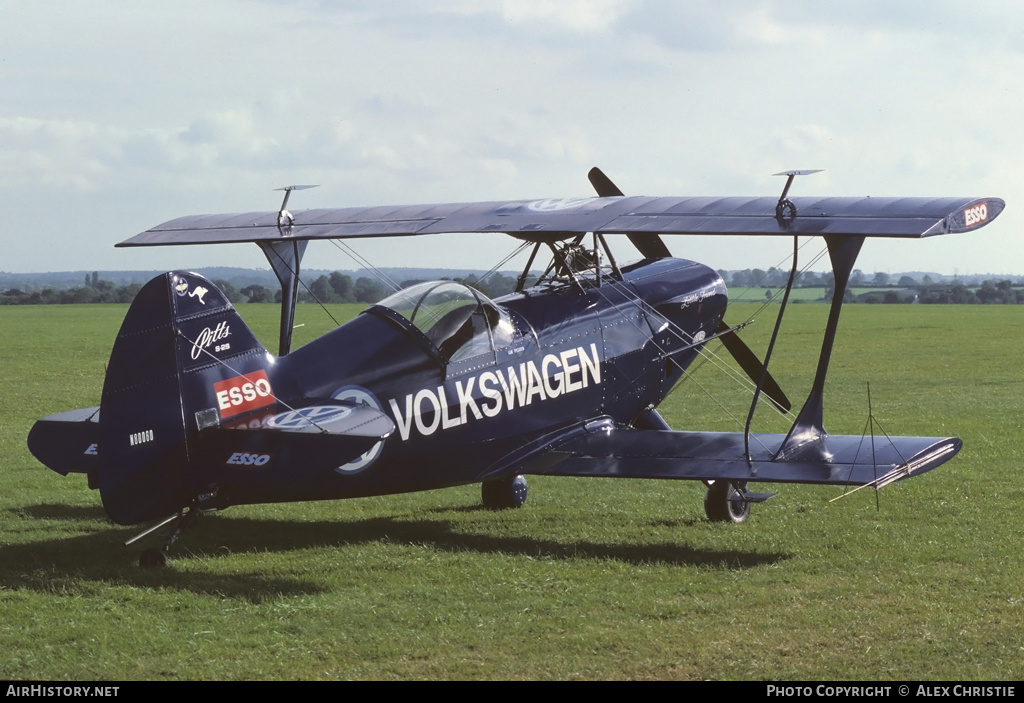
(171, 370)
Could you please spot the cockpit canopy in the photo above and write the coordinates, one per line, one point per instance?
(459, 321)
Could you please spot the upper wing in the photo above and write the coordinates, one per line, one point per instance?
(555, 219)
(846, 460)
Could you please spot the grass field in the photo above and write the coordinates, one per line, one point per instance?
(592, 579)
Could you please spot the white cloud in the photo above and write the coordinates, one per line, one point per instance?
(56, 153)
(210, 108)
(581, 16)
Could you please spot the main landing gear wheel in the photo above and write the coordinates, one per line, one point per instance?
(724, 502)
(502, 493)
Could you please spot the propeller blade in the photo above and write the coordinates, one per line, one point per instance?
(752, 366)
(650, 246)
(602, 184)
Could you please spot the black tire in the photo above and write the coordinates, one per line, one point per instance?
(153, 557)
(724, 503)
(504, 493)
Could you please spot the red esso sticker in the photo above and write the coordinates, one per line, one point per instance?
(243, 393)
(976, 214)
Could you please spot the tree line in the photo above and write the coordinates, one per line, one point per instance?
(338, 287)
(777, 278)
(904, 290)
(334, 288)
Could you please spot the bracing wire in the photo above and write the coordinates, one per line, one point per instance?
(365, 263)
(709, 355)
(298, 278)
(778, 291)
(395, 287)
(235, 371)
(878, 482)
(680, 334)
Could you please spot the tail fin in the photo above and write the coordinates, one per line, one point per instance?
(183, 360)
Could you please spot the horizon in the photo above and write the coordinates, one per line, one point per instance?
(266, 273)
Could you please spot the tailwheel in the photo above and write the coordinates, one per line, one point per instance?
(726, 502)
(503, 493)
(157, 556)
(153, 557)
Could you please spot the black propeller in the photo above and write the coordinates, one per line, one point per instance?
(652, 246)
(752, 366)
(602, 184)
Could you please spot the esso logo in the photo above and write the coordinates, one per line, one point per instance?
(243, 393)
(976, 214)
(244, 459)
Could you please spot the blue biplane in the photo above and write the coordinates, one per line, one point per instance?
(438, 385)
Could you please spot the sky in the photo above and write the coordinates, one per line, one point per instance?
(117, 116)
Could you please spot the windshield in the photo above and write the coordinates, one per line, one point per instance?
(460, 321)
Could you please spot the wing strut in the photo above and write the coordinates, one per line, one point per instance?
(807, 436)
(285, 257)
(521, 282)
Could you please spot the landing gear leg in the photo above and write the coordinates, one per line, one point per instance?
(157, 556)
(502, 493)
(726, 502)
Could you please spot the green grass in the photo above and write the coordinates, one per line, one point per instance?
(591, 579)
(797, 295)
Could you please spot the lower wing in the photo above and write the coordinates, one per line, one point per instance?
(711, 456)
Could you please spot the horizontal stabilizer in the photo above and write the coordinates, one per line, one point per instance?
(561, 218)
(849, 460)
(317, 437)
(67, 442)
(321, 436)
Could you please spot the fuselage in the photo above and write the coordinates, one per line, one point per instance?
(560, 356)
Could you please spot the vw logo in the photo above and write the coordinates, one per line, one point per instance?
(359, 396)
(304, 417)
